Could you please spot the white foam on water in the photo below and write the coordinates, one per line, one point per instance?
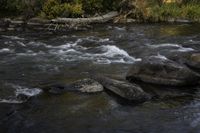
(72, 51)
(13, 37)
(14, 101)
(160, 57)
(164, 45)
(176, 46)
(66, 46)
(21, 90)
(21, 44)
(110, 54)
(8, 42)
(5, 50)
(183, 49)
(102, 61)
(96, 39)
(37, 44)
(193, 41)
(26, 91)
(106, 54)
(30, 53)
(112, 51)
(120, 28)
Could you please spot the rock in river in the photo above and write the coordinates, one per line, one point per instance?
(123, 89)
(194, 61)
(84, 85)
(162, 71)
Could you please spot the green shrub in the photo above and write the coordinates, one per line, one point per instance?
(99, 6)
(27, 8)
(54, 8)
(51, 9)
(71, 10)
(92, 6)
(191, 11)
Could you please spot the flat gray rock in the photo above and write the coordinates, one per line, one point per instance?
(162, 71)
(123, 88)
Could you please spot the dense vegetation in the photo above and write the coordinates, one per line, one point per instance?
(147, 10)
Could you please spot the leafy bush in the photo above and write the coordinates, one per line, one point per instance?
(51, 9)
(191, 11)
(21, 7)
(54, 8)
(153, 10)
(76, 8)
(98, 6)
(92, 6)
(71, 10)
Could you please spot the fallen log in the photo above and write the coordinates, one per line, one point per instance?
(100, 19)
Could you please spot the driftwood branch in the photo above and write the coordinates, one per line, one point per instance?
(100, 19)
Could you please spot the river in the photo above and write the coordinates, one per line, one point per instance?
(30, 60)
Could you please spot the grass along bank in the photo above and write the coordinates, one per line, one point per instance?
(165, 12)
(142, 10)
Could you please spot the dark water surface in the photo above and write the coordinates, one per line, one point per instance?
(30, 60)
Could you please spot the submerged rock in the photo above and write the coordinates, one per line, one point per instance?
(167, 92)
(124, 89)
(84, 85)
(194, 61)
(162, 71)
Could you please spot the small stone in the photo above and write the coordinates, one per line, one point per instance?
(84, 85)
(88, 86)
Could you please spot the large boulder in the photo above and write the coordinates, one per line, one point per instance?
(158, 70)
(124, 89)
(85, 85)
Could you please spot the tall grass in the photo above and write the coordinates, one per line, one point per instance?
(146, 10)
(190, 11)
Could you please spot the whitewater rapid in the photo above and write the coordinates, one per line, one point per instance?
(20, 91)
(101, 50)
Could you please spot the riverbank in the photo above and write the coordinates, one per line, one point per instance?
(57, 14)
(61, 24)
(66, 24)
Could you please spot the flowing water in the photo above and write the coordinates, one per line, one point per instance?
(30, 60)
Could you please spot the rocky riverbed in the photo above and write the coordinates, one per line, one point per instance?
(111, 78)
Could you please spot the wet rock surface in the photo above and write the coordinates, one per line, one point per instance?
(84, 85)
(162, 71)
(191, 59)
(160, 92)
(123, 88)
(194, 62)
